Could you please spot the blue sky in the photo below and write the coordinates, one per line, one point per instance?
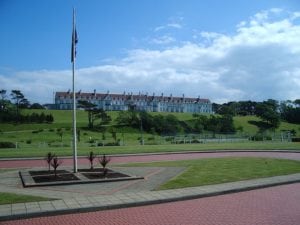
(223, 50)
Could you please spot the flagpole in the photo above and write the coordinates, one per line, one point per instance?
(74, 96)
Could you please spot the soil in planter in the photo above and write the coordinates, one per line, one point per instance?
(46, 172)
(52, 178)
(101, 175)
(98, 170)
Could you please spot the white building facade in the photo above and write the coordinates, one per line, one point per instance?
(140, 102)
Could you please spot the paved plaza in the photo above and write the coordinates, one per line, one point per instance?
(99, 199)
(271, 206)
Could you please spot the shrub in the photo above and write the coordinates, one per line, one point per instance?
(196, 141)
(108, 144)
(55, 163)
(91, 158)
(296, 139)
(170, 139)
(104, 160)
(151, 138)
(48, 159)
(260, 137)
(28, 141)
(6, 144)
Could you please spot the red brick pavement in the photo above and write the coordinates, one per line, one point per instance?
(271, 206)
(148, 158)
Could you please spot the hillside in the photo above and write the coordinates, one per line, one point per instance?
(37, 139)
(63, 119)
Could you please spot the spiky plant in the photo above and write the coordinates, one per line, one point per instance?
(104, 160)
(48, 159)
(91, 158)
(55, 163)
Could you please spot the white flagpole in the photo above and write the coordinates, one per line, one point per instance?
(74, 95)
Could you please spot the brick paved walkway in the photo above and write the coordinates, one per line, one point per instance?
(277, 205)
(271, 206)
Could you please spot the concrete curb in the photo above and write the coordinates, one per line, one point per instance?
(154, 197)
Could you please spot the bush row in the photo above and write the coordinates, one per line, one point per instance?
(6, 144)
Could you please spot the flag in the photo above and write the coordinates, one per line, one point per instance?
(74, 41)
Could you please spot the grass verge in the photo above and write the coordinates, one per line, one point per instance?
(83, 151)
(9, 198)
(222, 170)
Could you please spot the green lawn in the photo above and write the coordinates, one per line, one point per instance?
(8, 198)
(135, 149)
(221, 170)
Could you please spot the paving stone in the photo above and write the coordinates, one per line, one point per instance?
(47, 207)
(33, 210)
(18, 206)
(32, 205)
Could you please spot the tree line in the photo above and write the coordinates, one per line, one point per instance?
(271, 111)
(157, 124)
(12, 104)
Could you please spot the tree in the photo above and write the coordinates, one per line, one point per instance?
(6, 108)
(55, 163)
(147, 121)
(200, 123)
(104, 160)
(226, 124)
(48, 159)
(91, 158)
(3, 101)
(214, 125)
(128, 118)
(297, 102)
(36, 106)
(94, 114)
(49, 118)
(267, 112)
(3, 94)
(17, 96)
(290, 111)
(88, 107)
(18, 99)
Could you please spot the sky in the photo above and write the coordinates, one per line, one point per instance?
(223, 50)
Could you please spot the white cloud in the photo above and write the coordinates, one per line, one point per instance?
(259, 61)
(163, 40)
(174, 23)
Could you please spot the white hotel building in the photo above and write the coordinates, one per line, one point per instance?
(139, 102)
